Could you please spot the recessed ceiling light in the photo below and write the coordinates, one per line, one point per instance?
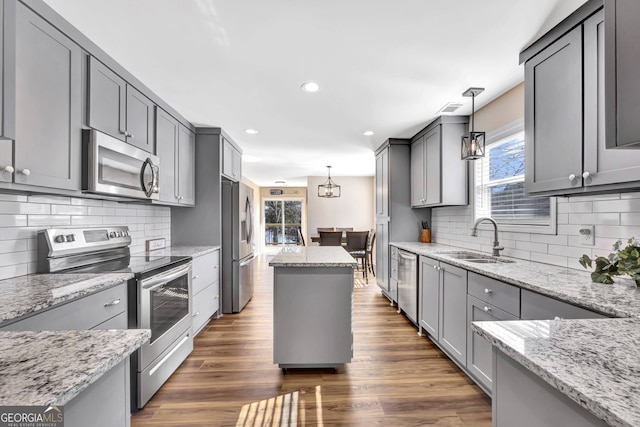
(281, 182)
(310, 87)
(251, 131)
(368, 133)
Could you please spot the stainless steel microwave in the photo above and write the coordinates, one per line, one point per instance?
(116, 168)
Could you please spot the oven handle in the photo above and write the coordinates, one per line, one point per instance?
(163, 278)
(164, 359)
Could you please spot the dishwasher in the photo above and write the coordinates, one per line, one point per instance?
(408, 285)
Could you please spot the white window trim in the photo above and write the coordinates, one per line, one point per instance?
(551, 228)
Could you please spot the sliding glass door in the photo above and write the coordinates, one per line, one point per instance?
(282, 220)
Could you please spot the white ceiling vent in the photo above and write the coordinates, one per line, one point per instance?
(449, 108)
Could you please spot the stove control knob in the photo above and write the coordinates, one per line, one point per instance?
(125, 233)
(112, 234)
(71, 238)
(60, 239)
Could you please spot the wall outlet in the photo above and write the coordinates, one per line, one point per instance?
(587, 236)
(155, 244)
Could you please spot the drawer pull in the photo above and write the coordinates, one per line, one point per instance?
(195, 277)
(197, 313)
(487, 291)
(112, 303)
(487, 309)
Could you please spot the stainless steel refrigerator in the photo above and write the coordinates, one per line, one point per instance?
(237, 246)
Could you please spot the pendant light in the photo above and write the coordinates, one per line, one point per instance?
(472, 142)
(329, 189)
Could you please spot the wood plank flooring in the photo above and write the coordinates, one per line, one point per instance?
(396, 378)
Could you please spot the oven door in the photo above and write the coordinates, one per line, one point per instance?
(165, 308)
(117, 168)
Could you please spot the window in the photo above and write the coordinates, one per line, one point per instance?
(499, 186)
(282, 220)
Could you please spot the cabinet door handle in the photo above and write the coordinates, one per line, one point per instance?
(195, 277)
(25, 172)
(487, 291)
(487, 309)
(130, 135)
(586, 174)
(112, 303)
(197, 313)
(572, 177)
(8, 169)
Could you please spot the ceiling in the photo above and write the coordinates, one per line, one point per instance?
(386, 66)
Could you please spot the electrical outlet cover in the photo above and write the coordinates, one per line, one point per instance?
(587, 235)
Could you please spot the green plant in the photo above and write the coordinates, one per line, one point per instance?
(625, 261)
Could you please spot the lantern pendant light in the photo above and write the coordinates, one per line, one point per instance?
(329, 189)
(473, 141)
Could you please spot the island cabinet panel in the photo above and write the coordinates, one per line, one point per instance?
(105, 403)
(312, 316)
(106, 309)
(540, 307)
(523, 399)
(48, 116)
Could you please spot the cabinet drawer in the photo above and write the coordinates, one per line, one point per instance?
(499, 294)
(540, 307)
(205, 304)
(394, 252)
(83, 313)
(205, 271)
(393, 273)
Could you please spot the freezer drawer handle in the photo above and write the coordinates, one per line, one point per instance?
(247, 262)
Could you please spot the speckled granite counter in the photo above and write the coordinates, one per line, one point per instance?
(573, 286)
(185, 250)
(51, 368)
(24, 295)
(313, 256)
(594, 362)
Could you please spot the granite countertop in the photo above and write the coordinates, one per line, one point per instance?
(313, 256)
(25, 295)
(573, 286)
(185, 250)
(593, 362)
(51, 368)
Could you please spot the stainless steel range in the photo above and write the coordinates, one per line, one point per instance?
(159, 296)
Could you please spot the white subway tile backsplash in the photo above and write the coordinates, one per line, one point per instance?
(615, 216)
(22, 216)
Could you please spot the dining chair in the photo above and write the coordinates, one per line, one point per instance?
(357, 248)
(371, 243)
(326, 229)
(330, 238)
(300, 238)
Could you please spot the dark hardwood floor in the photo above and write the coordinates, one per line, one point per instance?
(396, 378)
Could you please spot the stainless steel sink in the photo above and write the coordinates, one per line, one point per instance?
(474, 257)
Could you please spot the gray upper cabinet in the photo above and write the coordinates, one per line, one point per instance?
(622, 64)
(231, 161)
(48, 116)
(118, 109)
(175, 146)
(566, 138)
(382, 183)
(437, 145)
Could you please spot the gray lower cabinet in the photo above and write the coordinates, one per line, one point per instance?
(429, 278)
(535, 306)
(206, 289)
(565, 115)
(175, 145)
(48, 102)
(438, 175)
(384, 275)
(106, 309)
(453, 308)
(523, 399)
(118, 109)
(231, 160)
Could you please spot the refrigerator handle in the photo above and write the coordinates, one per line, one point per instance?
(247, 262)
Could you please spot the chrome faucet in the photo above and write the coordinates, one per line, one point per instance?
(496, 245)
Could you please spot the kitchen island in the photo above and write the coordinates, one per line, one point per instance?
(312, 307)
